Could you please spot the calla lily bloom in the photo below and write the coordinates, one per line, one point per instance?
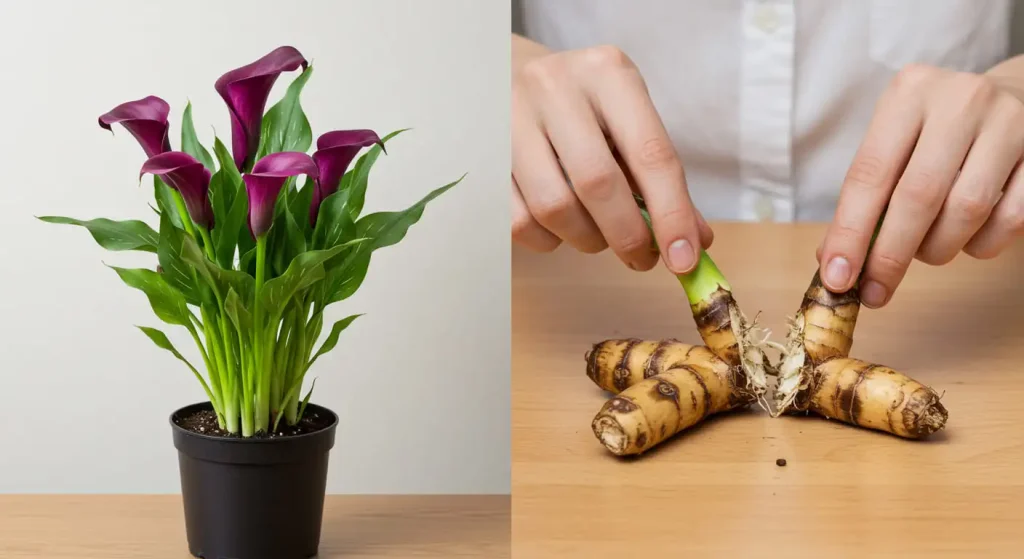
(189, 177)
(245, 90)
(334, 153)
(146, 119)
(264, 184)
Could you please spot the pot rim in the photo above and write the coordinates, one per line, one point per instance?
(250, 440)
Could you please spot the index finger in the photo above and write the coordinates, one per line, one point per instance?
(865, 192)
(633, 123)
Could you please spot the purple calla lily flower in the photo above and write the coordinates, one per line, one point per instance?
(189, 177)
(146, 119)
(245, 90)
(334, 153)
(264, 183)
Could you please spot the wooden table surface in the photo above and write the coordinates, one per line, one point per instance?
(152, 527)
(716, 491)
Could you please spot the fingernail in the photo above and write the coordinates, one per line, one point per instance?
(680, 256)
(873, 294)
(837, 273)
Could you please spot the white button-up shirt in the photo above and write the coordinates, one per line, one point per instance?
(767, 100)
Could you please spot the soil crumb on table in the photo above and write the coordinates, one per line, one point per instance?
(780, 462)
(204, 422)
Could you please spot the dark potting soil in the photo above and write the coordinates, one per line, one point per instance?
(204, 422)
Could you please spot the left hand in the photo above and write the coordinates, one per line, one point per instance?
(943, 152)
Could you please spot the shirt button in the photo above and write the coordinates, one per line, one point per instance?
(764, 209)
(766, 18)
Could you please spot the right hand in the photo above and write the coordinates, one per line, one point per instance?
(567, 108)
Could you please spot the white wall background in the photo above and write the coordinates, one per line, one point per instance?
(421, 383)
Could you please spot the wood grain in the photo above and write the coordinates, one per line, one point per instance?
(715, 491)
(152, 527)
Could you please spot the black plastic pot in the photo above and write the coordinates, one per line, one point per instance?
(253, 498)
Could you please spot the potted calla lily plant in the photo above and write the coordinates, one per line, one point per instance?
(247, 261)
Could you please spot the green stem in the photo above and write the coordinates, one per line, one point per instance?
(231, 416)
(211, 392)
(244, 389)
(207, 243)
(704, 280)
(298, 365)
(186, 220)
(212, 340)
(282, 357)
(230, 381)
(202, 353)
(260, 366)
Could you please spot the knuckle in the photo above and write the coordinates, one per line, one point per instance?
(923, 188)
(522, 224)
(670, 215)
(657, 153)
(607, 57)
(978, 89)
(593, 245)
(597, 182)
(972, 205)
(889, 269)
(632, 243)
(845, 232)
(1012, 111)
(912, 76)
(936, 256)
(541, 73)
(553, 210)
(866, 171)
(981, 251)
(1015, 219)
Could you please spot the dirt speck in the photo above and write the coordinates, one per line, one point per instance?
(780, 462)
(205, 422)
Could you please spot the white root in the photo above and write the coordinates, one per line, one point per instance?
(792, 373)
(752, 341)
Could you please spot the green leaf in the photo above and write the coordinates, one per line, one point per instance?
(177, 274)
(285, 124)
(298, 205)
(356, 184)
(114, 235)
(261, 150)
(247, 262)
(168, 303)
(334, 223)
(381, 230)
(388, 228)
(314, 326)
(287, 239)
(222, 195)
(227, 163)
(242, 237)
(332, 338)
(344, 280)
(218, 277)
(305, 270)
(190, 143)
(165, 201)
(229, 221)
(161, 341)
(239, 315)
(296, 236)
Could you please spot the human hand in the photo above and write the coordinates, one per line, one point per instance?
(942, 154)
(567, 107)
